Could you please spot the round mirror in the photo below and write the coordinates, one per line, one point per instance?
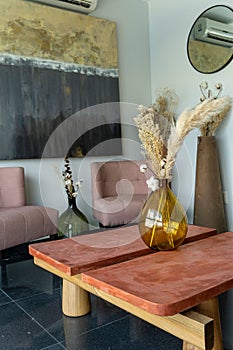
(210, 41)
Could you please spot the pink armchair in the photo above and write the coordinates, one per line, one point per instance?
(21, 223)
(119, 191)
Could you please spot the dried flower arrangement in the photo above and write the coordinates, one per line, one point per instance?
(70, 187)
(165, 104)
(163, 223)
(161, 138)
(210, 127)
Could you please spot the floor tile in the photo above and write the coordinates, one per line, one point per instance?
(4, 298)
(55, 347)
(47, 310)
(19, 331)
(127, 333)
(23, 279)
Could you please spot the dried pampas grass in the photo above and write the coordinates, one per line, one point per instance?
(161, 140)
(154, 126)
(210, 128)
(206, 112)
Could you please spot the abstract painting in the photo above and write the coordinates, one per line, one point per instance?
(54, 63)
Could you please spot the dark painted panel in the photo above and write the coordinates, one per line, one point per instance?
(35, 101)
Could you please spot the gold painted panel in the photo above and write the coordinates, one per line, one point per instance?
(39, 31)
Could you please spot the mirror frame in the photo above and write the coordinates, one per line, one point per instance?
(188, 41)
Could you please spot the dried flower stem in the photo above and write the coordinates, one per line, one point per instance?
(68, 180)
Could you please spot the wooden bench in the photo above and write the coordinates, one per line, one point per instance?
(85, 261)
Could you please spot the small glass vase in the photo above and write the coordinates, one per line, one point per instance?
(72, 221)
(163, 222)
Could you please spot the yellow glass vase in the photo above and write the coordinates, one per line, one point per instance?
(163, 223)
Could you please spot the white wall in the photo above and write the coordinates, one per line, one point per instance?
(43, 182)
(170, 23)
(170, 67)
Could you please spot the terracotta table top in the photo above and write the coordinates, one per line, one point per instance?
(95, 250)
(170, 282)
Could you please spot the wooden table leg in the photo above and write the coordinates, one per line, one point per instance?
(75, 300)
(210, 308)
(188, 346)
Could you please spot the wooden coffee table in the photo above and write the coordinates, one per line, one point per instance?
(174, 290)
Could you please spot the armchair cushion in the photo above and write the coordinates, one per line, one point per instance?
(120, 210)
(119, 191)
(23, 224)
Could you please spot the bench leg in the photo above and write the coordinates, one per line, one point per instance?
(75, 300)
(188, 346)
(209, 308)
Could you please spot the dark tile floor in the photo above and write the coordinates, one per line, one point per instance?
(31, 316)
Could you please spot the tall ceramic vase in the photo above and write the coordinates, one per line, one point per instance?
(72, 221)
(163, 222)
(208, 205)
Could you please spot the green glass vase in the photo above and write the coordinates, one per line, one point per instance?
(163, 222)
(72, 222)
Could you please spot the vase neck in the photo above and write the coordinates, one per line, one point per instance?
(163, 183)
(72, 202)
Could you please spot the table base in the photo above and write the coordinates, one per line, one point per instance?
(199, 329)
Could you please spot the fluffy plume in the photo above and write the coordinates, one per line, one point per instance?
(205, 112)
(210, 127)
(161, 140)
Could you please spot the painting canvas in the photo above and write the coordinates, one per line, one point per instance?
(54, 63)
